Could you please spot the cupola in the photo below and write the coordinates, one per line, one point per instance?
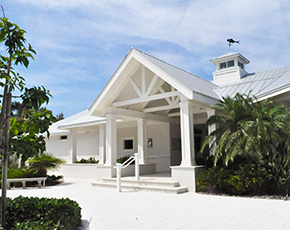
(230, 67)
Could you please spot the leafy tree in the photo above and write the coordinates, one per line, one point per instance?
(17, 52)
(257, 131)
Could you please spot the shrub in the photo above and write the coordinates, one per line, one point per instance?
(121, 160)
(246, 179)
(25, 212)
(53, 180)
(38, 225)
(45, 161)
(91, 160)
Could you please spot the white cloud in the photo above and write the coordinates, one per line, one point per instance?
(82, 42)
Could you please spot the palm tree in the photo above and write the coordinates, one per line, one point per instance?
(45, 161)
(257, 131)
(247, 128)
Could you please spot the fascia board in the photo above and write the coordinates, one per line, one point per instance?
(83, 124)
(204, 99)
(273, 93)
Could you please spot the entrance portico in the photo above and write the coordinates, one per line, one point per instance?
(141, 91)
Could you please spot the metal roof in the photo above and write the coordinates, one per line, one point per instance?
(81, 118)
(188, 80)
(257, 84)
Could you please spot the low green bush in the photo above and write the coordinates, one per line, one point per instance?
(91, 160)
(246, 179)
(26, 213)
(53, 179)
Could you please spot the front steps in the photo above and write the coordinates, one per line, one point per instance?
(144, 184)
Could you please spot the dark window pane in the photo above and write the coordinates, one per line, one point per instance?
(241, 65)
(128, 144)
(231, 63)
(223, 65)
(63, 137)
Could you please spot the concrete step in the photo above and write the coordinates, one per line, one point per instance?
(172, 190)
(143, 182)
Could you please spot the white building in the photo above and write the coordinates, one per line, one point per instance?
(158, 110)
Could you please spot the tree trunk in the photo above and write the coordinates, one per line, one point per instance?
(5, 159)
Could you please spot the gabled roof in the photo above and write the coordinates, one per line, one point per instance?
(258, 84)
(186, 83)
(188, 80)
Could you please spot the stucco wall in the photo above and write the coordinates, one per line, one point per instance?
(87, 146)
(161, 146)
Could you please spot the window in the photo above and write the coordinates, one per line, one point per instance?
(63, 137)
(241, 65)
(128, 144)
(231, 63)
(223, 65)
(227, 64)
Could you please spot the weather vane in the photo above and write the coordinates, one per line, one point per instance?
(232, 41)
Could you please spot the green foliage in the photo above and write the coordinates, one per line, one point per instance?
(59, 117)
(38, 225)
(91, 160)
(45, 161)
(246, 179)
(27, 213)
(26, 146)
(121, 160)
(257, 131)
(35, 97)
(52, 179)
(31, 119)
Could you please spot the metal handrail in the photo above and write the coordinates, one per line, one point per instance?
(126, 163)
(120, 166)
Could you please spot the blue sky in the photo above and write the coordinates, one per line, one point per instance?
(79, 44)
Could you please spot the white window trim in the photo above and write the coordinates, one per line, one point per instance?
(123, 146)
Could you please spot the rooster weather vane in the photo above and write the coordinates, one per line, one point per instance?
(232, 41)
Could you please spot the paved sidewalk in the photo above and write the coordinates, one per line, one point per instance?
(143, 210)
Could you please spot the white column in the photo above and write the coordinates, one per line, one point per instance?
(187, 134)
(142, 145)
(102, 144)
(72, 146)
(111, 139)
(211, 128)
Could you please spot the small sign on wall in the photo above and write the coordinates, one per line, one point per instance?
(149, 142)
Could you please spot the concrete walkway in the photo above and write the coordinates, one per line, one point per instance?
(140, 210)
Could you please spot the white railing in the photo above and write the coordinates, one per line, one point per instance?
(119, 168)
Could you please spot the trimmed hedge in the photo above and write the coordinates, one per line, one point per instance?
(45, 213)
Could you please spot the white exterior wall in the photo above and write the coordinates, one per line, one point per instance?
(87, 146)
(88, 143)
(159, 153)
(59, 148)
(126, 133)
(161, 146)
